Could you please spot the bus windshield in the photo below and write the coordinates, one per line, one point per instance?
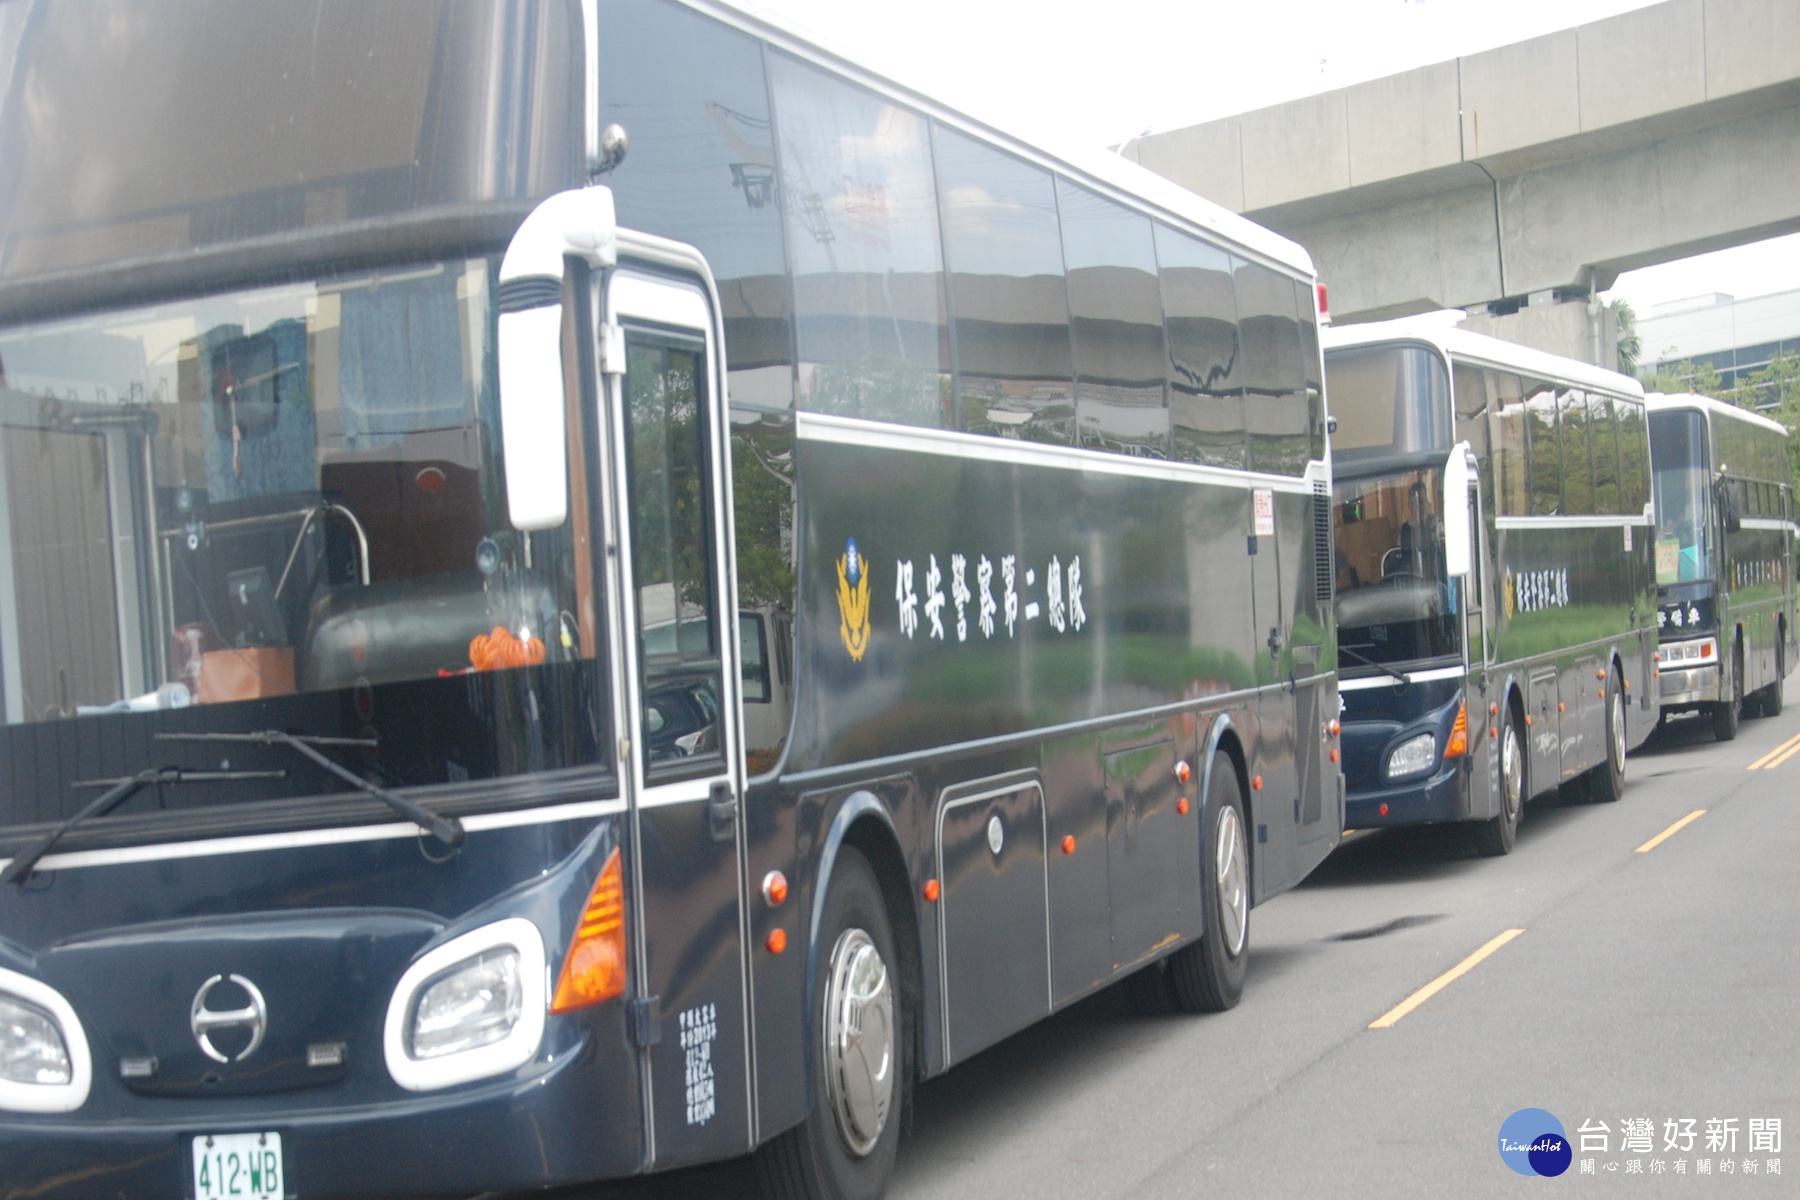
(1388, 400)
(1679, 454)
(281, 508)
(1395, 603)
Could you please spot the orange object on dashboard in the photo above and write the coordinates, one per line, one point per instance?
(492, 651)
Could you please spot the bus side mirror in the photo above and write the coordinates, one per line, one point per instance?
(1457, 552)
(533, 424)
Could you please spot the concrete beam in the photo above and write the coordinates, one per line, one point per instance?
(1553, 163)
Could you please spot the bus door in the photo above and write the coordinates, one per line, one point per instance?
(1478, 645)
(678, 656)
(1275, 804)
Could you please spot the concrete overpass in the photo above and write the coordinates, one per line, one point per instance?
(1516, 180)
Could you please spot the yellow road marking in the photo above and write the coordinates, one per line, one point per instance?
(1785, 750)
(1387, 1019)
(1785, 756)
(1671, 831)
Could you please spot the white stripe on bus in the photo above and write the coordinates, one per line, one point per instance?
(1369, 681)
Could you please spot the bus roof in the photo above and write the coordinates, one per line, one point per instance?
(1440, 330)
(1661, 401)
(1111, 171)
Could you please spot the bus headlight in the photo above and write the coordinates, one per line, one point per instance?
(44, 1062)
(472, 1007)
(31, 1046)
(1412, 756)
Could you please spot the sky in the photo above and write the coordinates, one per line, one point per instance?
(1096, 72)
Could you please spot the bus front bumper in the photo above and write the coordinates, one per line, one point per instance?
(1444, 796)
(1687, 687)
(575, 1121)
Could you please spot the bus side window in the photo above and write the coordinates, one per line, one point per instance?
(1577, 453)
(703, 171)
(1634, 457)
(1008, 298)
(1603, 434)
(1274, 400)
(1306, 302)
(861, 205)
(1473, 406)
(1206, 373)
(1507, 409)
(1543, 449)
(1115, 319)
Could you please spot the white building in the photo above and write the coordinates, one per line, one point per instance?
(1738, 337)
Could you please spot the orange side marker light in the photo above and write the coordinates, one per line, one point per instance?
(1459, 733)
(776, 941)
(1181, 806)
(594, 968)
(1069, 844)
(774, 889)
(1256, 784)
(932, 891)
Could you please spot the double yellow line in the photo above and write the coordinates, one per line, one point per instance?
(1777, 756)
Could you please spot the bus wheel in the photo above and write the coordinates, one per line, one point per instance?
(1725, 713)
(1606, 782)
(1495, 836)
(845, 1149)
(1208, 975)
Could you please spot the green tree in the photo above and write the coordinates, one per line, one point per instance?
(1774, 392)
(1631, 346)
(1687, 376)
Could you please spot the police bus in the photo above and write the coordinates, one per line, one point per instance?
(589, 587)
(1496, 603)
(1724, 558)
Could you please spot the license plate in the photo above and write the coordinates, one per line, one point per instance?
(238, 1166)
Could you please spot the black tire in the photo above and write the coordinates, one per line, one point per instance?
(820, 1159)
(1208, 975)
(1726, 713)
(1606, 782)
(1496, 836)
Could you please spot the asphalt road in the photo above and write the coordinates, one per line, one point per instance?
(1657, 985)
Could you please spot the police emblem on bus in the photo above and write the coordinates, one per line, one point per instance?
(853, 601)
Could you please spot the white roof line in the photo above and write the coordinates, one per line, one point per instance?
(1667, 400)
(1081, 164)
(1461, 343)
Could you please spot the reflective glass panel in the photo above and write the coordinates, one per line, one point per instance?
(701, 169)
(1394, 602)
(1388, 400)
(1507, 427)
(862, 224)
(1544, 447)
(1275, 404)
(1678, 447)
(1206, 378)
(1634, 457)
(1116, 316)
(1577, 453)
(1604, 439)
(1014, 374)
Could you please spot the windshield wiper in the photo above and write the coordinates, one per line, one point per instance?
(447, 830)
(121, 790)
(1383, 667)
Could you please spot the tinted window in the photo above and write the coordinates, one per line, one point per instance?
(863, 233)
(1275, 381)
(1206, 377)
(1116, 315)
(1306, 305)
(1603, 442)
(1577, 457)
(1388, 400)
(1472, 409)
(1013, 371)
(1506, 404)
(762, 495)
(702, 170)
(1634, 458)
(189, 125)
(1543, 446)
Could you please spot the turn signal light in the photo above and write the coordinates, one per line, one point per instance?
(594, 968)
(1706, 649)
(1459, 733)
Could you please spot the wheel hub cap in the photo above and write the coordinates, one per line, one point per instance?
(859, 1040)
(1234, 896)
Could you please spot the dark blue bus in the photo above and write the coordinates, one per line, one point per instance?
(1496, 597)
(536, 652)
